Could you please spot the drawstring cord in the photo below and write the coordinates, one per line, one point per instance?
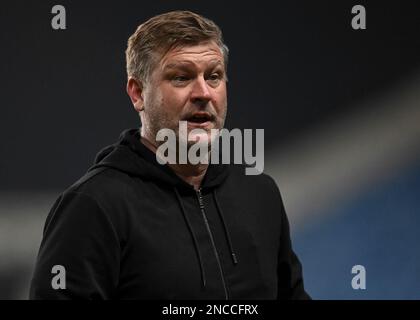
(197, 249)
(219, 209)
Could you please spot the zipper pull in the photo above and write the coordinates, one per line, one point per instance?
(200, 199)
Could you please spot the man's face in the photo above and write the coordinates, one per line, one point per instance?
(188, 84)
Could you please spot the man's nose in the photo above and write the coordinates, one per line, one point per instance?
(200, 91)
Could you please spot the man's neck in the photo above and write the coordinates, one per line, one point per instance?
(191, 174)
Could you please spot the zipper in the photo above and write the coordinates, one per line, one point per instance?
(201, 203)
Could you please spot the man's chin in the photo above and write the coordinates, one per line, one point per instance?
(190, 133)
(201, 138)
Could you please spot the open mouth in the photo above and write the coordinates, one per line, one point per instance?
(200, 118)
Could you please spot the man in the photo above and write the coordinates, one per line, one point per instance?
(132, 228)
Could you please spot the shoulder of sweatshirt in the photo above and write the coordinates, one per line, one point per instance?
(261, 188)
(101, 194)
(101, 184)
(262, 181)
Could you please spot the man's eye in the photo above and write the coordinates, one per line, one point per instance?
(180, 78)
(214, 78)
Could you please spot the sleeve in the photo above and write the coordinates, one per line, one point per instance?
(289, 268)
(79, 256)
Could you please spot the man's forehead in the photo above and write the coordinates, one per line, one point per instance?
(208, 53)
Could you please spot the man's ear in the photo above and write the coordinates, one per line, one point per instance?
(135, 92)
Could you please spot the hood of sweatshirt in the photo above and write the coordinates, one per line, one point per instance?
(142, 162)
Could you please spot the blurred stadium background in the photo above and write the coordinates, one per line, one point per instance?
(340, 109)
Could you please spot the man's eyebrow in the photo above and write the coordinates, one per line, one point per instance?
(216, 63)
(178, 64)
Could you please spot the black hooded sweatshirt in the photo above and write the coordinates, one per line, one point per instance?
(130, 228)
